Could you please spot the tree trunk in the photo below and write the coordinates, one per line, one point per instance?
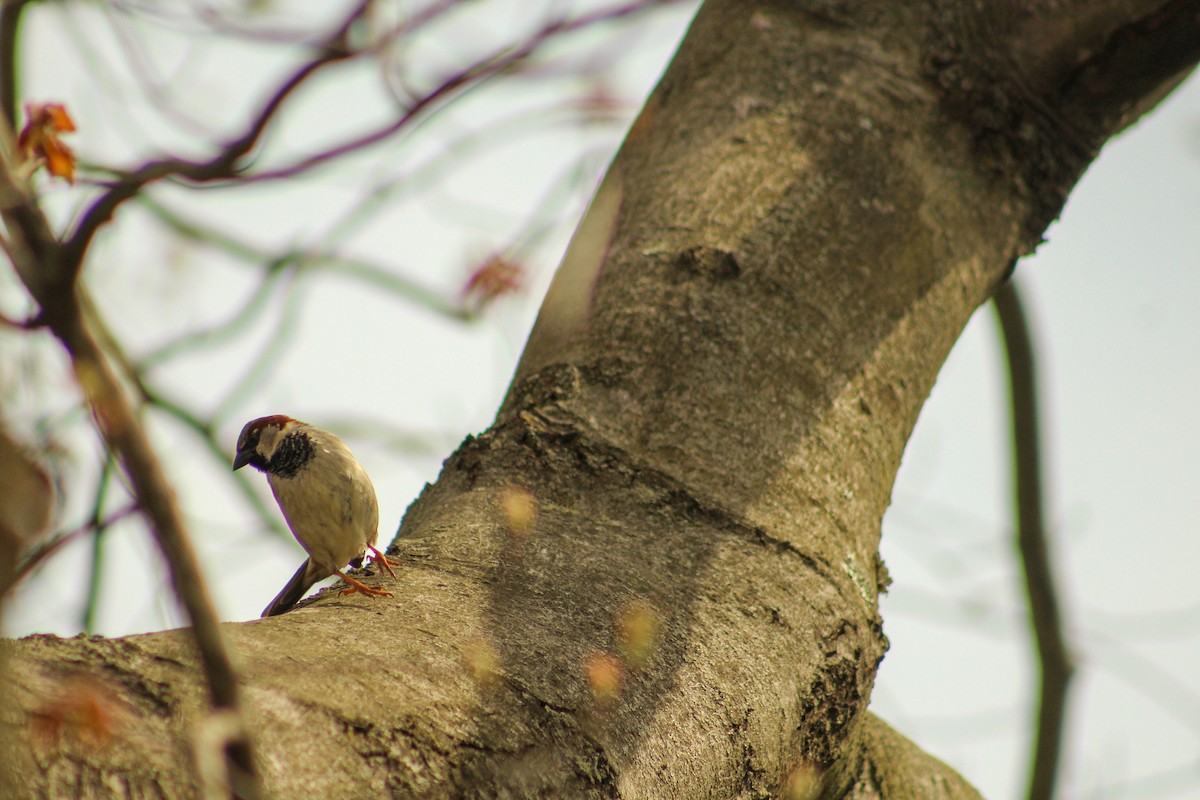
(657, 574)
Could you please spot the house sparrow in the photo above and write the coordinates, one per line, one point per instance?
(325, 496)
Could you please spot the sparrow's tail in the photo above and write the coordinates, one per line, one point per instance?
(300, 583)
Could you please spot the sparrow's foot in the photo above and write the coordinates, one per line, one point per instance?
(358, 587)
(380, 558)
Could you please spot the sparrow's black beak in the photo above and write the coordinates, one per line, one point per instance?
(243, 458)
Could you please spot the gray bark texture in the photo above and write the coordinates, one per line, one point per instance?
(708, 417)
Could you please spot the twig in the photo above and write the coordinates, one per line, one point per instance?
(310, 258)
(222, 165)
(34, 558)
(99, 527)
(1044, 612)
(18, 324)
(473, 75)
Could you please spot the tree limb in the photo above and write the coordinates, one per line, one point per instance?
(1045, 616)
(52, 282)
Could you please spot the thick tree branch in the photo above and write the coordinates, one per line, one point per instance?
(1041, 90)
(1140, 59)
(705, 423)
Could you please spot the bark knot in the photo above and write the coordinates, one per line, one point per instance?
(709, 262)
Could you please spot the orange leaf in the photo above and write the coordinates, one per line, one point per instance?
(60, 160)
(60, 120)
(39, 139)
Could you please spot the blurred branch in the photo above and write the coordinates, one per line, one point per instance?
(140, 65)
(1044, 613)
(269, 356)
(453, 153)
(382, 433)
(34, 558)
(1173, 696)
(50, 275)
(19, 324)
(1147, 625)
(275, 264)
(10, 21)
(500, 61)
(222, 165)
(99, 528)
(205, 429)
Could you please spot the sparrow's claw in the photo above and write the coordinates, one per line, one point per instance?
(358, 587)
(380, 558)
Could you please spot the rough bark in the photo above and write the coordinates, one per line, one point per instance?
(709, 413)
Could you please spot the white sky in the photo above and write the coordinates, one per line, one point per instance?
(1112, 295)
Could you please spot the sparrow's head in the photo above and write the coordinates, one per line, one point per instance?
(260, 438)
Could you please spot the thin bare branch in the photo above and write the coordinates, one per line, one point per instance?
(44, 550)
(126, 438)
(473, 75)
(1044, 606)
(275, 264)
(98, 528)
(224, 164)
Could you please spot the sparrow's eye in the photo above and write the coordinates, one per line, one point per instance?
(249, 440)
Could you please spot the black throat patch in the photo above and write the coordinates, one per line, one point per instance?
(294, 452)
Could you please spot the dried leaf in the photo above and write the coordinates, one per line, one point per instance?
(39, 140)
(493, 279)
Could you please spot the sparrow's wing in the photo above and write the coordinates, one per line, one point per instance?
(300, 583)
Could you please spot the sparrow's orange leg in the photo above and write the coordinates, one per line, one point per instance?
(380, 558)
(357, 586)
